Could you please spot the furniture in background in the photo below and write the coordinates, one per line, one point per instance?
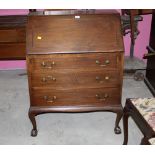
(132, 22)
(142, 111)
(132, 13)
(130, 19)
(13, 36)
(150, 68)
(76, 65)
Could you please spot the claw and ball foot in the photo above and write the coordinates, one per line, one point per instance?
(117, 129)
(33, 121)
(34, 132)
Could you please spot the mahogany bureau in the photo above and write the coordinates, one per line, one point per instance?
(74, 63)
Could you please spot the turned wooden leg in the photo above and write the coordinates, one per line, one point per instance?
(117, 129)
(33, 121)
(125, 127)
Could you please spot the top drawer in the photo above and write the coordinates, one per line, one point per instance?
(73, 61)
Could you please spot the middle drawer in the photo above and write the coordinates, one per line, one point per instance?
(76, 79)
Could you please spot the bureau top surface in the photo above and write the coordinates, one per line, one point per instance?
(74, 32)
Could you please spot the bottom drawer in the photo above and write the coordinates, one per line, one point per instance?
(77, 97)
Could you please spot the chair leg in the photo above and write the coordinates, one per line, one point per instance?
(144, 141)
(125, 126)
(34, 131)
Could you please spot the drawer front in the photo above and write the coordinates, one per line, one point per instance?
(75, 79)
(12, 35)
(74, 61)
(73, 97)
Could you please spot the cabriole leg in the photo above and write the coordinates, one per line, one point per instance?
(117, 129)
(33, 121)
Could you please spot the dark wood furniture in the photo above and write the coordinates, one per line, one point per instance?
(133, 22)
(13, 37)
(75, 63)
(133, 13)
(150, 69)
(142, 112)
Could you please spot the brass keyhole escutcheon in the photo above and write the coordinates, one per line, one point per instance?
(39, 37)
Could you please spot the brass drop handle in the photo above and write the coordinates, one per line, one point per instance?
(50, 99)
(99, 79)
(102, 97)
(97, 62)
(48, 65)
(44, 79)
(53, 78)
(105, 63)
(107, 78)
(48, 78)
(43, 64)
